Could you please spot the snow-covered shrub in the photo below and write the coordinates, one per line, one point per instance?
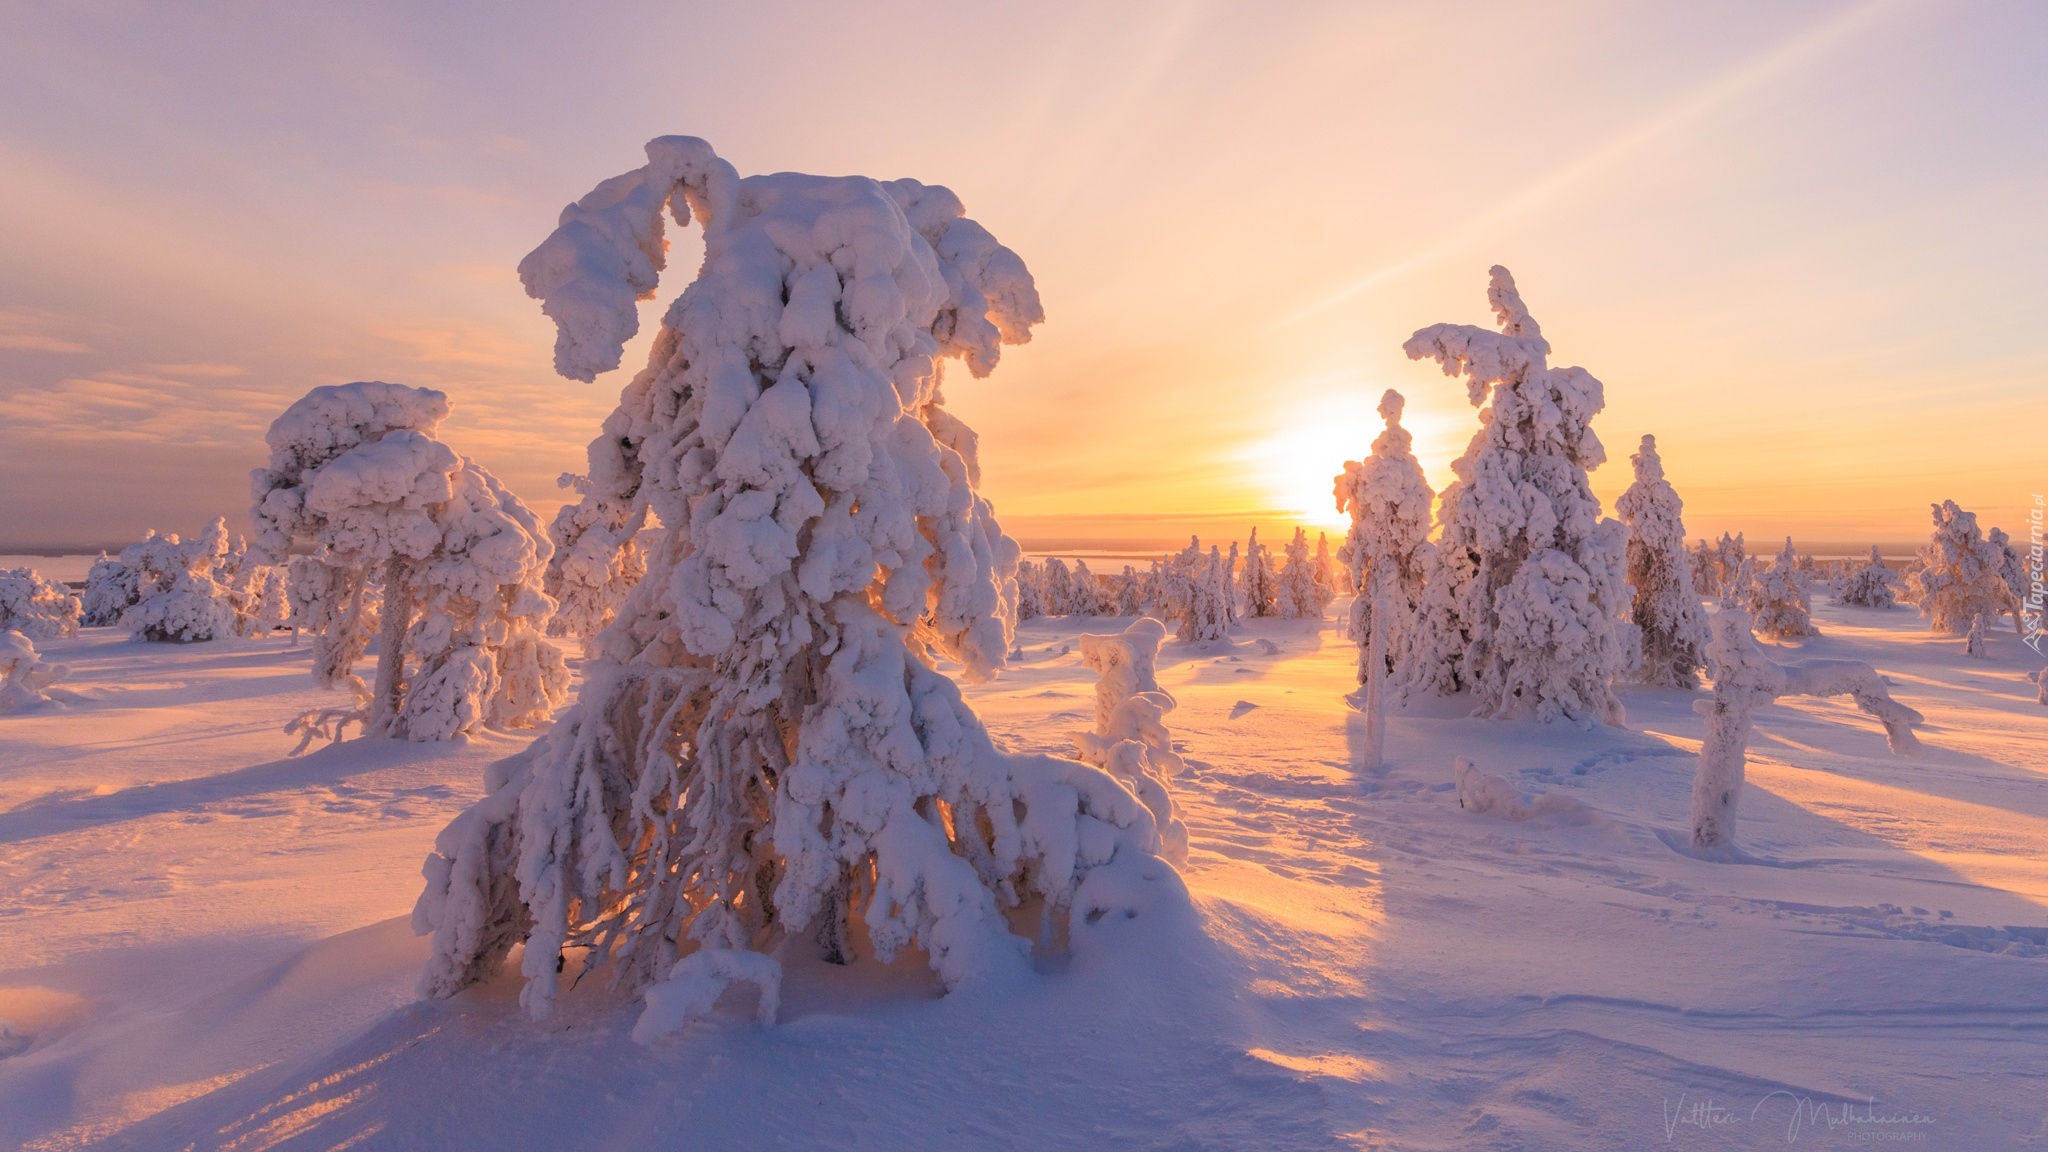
(1667, 610)
(455, 561)
(1389, 502)
(763, 748)
(1961, 573)
(597, 559)
(1744, 678)
(1976, 643)
(1131, 740)
(1056, 590)
(1205, 613)
(180, 597)
(272, 607)
(1129, 593)
(109, 591)
(23, 672)
(1777, 600)
(1533, 577)
(1257, 586)
(1087, 598)
(1869, 586)
(37, 608)
(1297, 594)
(1485, 794)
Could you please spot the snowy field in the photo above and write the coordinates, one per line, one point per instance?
(204, 944)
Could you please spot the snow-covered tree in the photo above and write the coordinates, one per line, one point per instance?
(1326, 572)
(1778, 601)
(24, 673)
(1087, 598)
(1667, 611)
(1297, 595)
(1257, 591)
(1535, 576)
(1130, 593)
(180, 597)
(1960, 573)
(454, 558)
(1057, 591)
(1205, 614)
(37, 608)
(1705, 575)
(1976, 643)
(1030, 591)
(1869, 586)
(109, 591)
(597, 559)
(270, 607)
(1131, 740)
(1230, 580)
(2011, 570)
(1744, 678)
(1389, 501)
(763, 748)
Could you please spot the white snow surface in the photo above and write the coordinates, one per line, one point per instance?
(202, 942)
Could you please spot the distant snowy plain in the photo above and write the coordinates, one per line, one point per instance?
(203, 943)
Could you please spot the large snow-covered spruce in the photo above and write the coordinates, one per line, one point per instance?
(1667, 609)
(1530, 594)
(764, 749)
(418, 544)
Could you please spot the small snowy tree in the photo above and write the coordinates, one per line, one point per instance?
(1230, 581)
(2011, 570)
(1976, 643)
(1389, 501)
(1960, 573)
(180, 596)
(1869, 586)
(1297, 595)
(1705, 574)
(1257, 592)
(1131, 740)
(1130, 593)
(1206, 615)
(1088, 597)
(1777, 599)
(1667, 611)
(37, 608)
(1058, 588)
(1535, 576)
(763, 748)
(1326, 573)
(454, 558)
(1030, 594)
(24, 673)
(1744, 678)
(109, 591)
(597, 559)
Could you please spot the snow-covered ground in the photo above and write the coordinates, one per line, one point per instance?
(203, 943)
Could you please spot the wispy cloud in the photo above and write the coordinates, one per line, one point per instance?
(27, 330)
(138, 407)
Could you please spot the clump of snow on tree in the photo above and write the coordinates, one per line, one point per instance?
(1744, 678)
(1667, 611)
(419, 544)
(37, 608)
(24, 673)
(763, 748)
(1961, 573)
(1531, 593)
(597, 559)
(1868, 586)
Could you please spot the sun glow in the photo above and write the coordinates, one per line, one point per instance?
(1295, 470)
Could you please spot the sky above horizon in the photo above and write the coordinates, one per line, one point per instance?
(1801, 243)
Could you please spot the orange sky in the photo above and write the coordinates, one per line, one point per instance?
(1798, 242)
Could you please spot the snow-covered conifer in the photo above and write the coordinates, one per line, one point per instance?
(1088, 595)
(1705, 574)
(1131, 740)
(1057, 588)
(1325, 569)
(1869, 586)
(1130, 593)
(1297, 595)
(109, 591)
(455, 561)
(1535, 575)
(1667, 611)
(37, 608)
(1976, 643)
(2010, 569)
(597, 559)
(1960, 573)
(1778, 601)
(763, 747)
(1207, 612)
(1230, 580)
(1744, 678)
(1389, 501)
(1256, 591)
(180, 597)
(23, 672)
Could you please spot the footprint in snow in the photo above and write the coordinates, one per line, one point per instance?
(1240, 708)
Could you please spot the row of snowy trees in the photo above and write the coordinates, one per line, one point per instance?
(163, 588)
(1202, 592)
